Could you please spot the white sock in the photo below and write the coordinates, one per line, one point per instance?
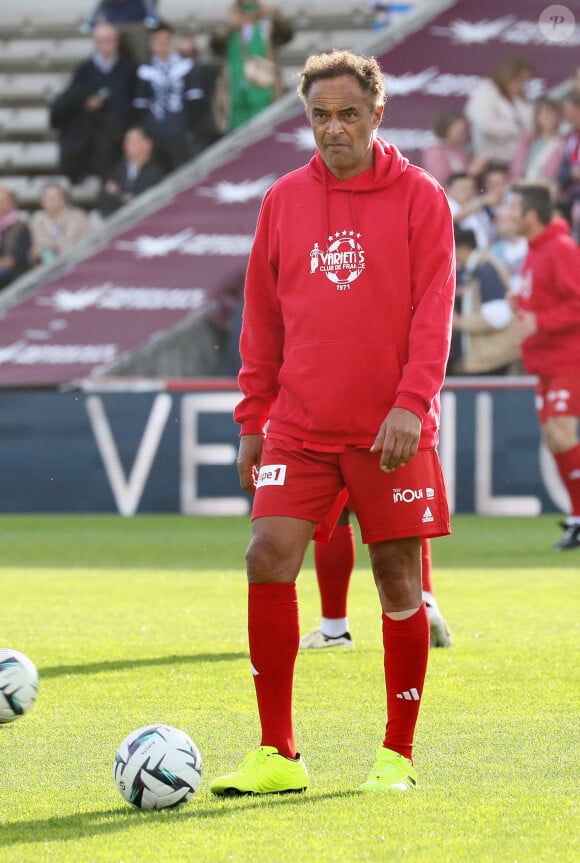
(332, 627)
(429, 599)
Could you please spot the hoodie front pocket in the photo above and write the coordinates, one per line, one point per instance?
(343, 388)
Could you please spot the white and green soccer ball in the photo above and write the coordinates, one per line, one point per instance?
(157, 766)
(18, 684)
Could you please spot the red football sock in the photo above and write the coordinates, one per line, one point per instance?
(406, 644)
(274, 636)
(426, 566)
(334, 564)
(569, 468)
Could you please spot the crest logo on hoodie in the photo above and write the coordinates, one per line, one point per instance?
(342, 262)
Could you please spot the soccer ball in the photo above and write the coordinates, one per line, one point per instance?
(157, 766)
(18, 684)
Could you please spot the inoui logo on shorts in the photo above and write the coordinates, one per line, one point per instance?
(271, 474)
(408, 495)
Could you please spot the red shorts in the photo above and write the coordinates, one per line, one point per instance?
(558, 396)
(300, 483)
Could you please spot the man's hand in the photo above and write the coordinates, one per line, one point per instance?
(94, 103)
(527, 325)
(398, 438)
(249, 458)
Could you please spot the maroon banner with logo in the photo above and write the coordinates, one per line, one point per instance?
(187, 255)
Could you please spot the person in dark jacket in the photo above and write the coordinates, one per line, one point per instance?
(174, 101)
(15, 240)
(94, 111)
(134, 174)
(119, 11)
(132, 18)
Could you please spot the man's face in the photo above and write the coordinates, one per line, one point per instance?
(137, 147)
(462, 189)
(162, 43)
(496, 184)
(105, 40)
(343, 122)
(505, 223)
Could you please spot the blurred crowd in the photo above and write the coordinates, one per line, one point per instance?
(147, 100)
(501, 137)
(143, 104)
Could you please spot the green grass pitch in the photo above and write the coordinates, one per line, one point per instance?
(134, 621)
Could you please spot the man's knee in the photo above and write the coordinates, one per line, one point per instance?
(560, 434)
(262, 560)
(397, 572)
(272, 558)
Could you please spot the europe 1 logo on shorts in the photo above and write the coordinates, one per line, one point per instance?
(271, 474)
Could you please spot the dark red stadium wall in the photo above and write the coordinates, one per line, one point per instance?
(181, 259)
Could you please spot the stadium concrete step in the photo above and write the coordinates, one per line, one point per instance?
(60, 18)
(28, 88)
(310, 41)
(24, 122)
(16, 157)
(43, 53)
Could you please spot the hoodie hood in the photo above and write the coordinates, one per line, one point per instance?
(556, 228)
(389, 165)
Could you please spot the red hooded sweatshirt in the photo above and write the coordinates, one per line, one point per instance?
(348, 304)
(550, 288)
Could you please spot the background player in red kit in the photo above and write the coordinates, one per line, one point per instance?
(548, 305)
(345, 338)
(334, 561)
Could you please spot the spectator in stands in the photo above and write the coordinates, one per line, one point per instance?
(509, 247)
(385, 12)
(468, 207)
(575, 82)
(449, 153)
(495, 183)
(14, 239)
(174, 101)
(486, 322)
(569, 170)
(134, 174)
(56, 227)
(253, 79)
(539, 153)
(131, 18)
(94, 111)
(498, 110)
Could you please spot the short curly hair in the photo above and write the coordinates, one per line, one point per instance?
(332, 64)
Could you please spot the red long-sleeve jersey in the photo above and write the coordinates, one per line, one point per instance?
(348, 303)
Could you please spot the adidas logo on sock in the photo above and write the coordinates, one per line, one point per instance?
(427, 516)
(409, 695)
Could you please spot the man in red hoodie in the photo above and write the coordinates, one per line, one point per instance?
(549, 323)
(345, 338)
